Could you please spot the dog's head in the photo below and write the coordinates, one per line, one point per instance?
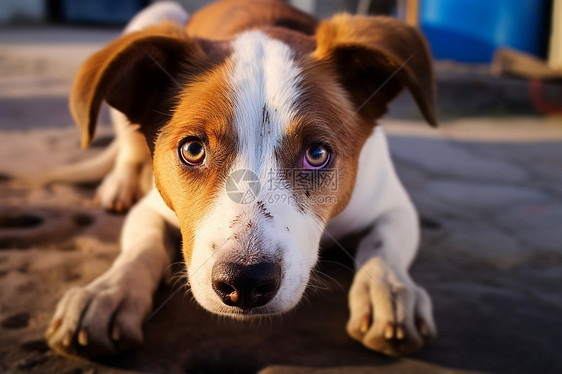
(255, 140)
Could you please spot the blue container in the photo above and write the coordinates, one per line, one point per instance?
(471, 30)
(101, 11)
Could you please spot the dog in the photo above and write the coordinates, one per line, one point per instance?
(240, 93)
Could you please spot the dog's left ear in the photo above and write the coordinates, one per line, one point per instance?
(138, 74)
(374, 59)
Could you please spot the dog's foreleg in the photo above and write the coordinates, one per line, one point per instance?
(106, 316)
(390, 313)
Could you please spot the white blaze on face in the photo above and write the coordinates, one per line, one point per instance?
(266, 83)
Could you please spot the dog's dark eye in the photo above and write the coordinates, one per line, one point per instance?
(316, 156)
(192, 152)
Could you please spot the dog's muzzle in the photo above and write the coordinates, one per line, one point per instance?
(246, 286)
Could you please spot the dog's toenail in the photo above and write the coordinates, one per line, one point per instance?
(54, 326)
(365, 323)
(389, 331)
(67, 339)
(83, 337)
(400, 332)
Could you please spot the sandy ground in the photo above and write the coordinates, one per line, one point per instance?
(489, 192)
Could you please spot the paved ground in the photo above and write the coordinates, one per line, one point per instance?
(489, 192)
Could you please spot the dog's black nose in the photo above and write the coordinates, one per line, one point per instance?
(246, 286)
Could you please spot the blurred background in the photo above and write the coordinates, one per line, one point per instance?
(494, 57)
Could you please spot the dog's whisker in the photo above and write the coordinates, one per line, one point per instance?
(195, 272)
(334, 280)
(306, 299)
(162, 113)
(319, 284)
(180, 278)
(316, 280)
(170, 269)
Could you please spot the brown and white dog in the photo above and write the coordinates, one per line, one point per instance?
(259, 88)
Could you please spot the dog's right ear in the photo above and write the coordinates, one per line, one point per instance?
(374, 59)
(138, 74)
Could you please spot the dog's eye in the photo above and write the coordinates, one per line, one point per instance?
(316, 156)
(192, 152)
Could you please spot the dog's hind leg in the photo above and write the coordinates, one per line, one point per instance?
(124, 185)
(124, 166)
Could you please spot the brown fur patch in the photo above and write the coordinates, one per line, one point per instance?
(136, 74)
(204, 111)
(358, 66)
(374, 59)
(325, 115)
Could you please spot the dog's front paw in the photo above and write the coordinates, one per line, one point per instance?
(100, 319)
(389, 312)
(120, 189)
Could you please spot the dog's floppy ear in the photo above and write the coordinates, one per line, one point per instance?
(138, 75)
(375, 58)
